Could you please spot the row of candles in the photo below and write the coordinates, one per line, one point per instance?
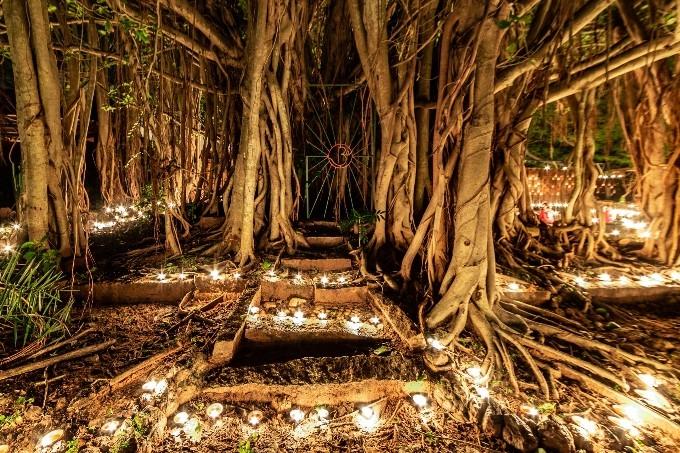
(649, 280)
(271, 275)
(629, 418)
(367, 417)
(299, 318)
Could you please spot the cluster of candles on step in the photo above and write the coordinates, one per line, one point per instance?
(299, 318)
(324, 279)
(649, 280)
(366, 417)
(629, 416)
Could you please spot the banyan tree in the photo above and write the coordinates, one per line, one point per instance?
(411, 120)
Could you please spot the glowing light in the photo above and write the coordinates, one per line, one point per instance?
(646, 234)
(176, 432)
(483, 392)
(623, 280)
(215, 274)
(546, 168)
(182, 276)
(180, 418)
(16, 226)
(587, 426)
(580, 281)
(236, 275)
(324, 279)
(146, 397)
(419, 400)
(605, 277)
(214, 410)
(298, 278)
(630, 412)
(8, 248)
(367, 419)
(254, 418)
(675, 275)
(375, 320)
(435, 344)
(654, 398)
(50, 438)
(111, 426)
(192, 425)
(514, 287)
(648, 380)
(647, 281)
(160, 387)
(322, 315)
(281, 315)
(108, 209)
(149, 385)
(474, 372)
(342, 279)
(271, 273)
(657, 277)
(322, 413)
(355, 319)
(615, 232)
(162, 276)
(626, 425)
(299, 314)
(531, 411)
(254, 310)
(297, 415)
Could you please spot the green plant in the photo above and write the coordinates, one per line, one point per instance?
(30, 304)
(246, 446)
(361, 223)
(73, 446)
(19, 407)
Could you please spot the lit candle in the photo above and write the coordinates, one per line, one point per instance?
(375, 320)
(580, 281)
(297, 415)
(162, 276)
(654, 398)
(513, 287)
(322, 315)
(254, 310)
(342, 279)
(51, 438)
(435, 344)
(324, 279)
(322, 413)
(626, 425)
(483, 392)
(419, 400)
(110, 427)
(531, 411)
(149, 385)
(214, 410)
(367, 419)
(160, 387)
(215, 274)
(605, 277)
(587, 426)
(180, 418)
(182, 276)
(236, 275)
(648, 379)
(474, 372)
(254, 417)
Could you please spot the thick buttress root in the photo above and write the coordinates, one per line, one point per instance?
(532, 332)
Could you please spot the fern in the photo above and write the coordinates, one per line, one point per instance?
(30, 304)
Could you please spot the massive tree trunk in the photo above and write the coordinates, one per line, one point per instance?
(393, 98)
(31, 123)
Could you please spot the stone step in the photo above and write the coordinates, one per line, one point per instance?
(325, 242)
(318, 264)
